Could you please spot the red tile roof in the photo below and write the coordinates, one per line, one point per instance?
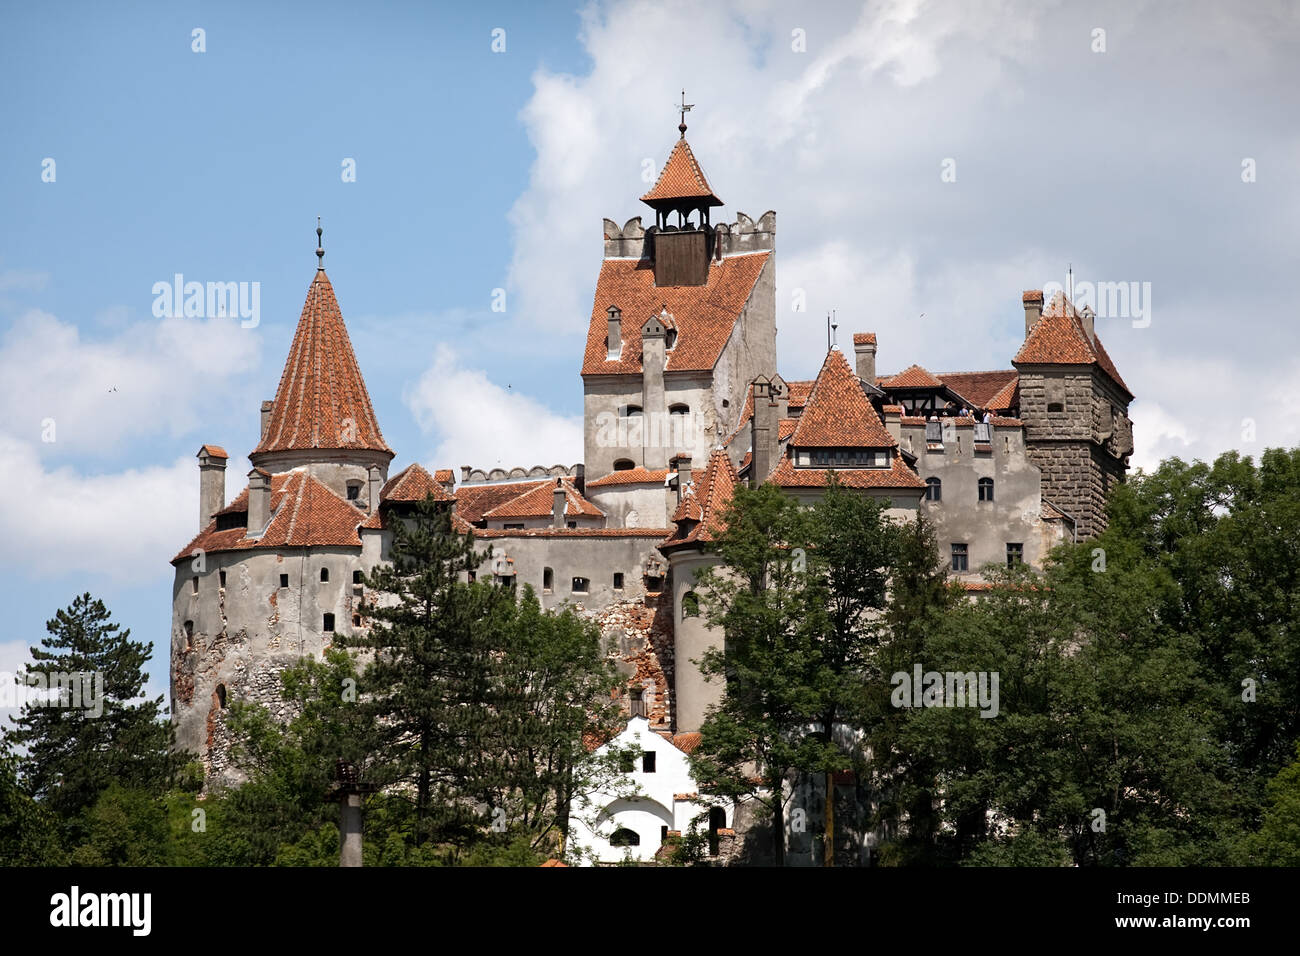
(1032, 295)
(705, 315)
(413, 483)
(1058, 339)
(687, 743)
(977, 388)
(702, 509)
(914, 376)
(322, 400)
(897, 475)
(567, 532)
(864, 338)
(838, 414)
(305, 514)
(681, 178)
(1006, 397)
(213, 451)
(444, 476)
(631, 476)
(539, 502)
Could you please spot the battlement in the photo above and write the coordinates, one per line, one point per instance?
(743, 235)
(470, 475)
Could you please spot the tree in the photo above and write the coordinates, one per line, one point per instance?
(69, 754)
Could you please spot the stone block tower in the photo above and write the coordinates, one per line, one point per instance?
(1075, 408)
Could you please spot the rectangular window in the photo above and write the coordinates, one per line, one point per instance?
(618, 580)
(356, 577)
(512, 527)
(548, 579)
(1015, 553)
(959, 557)
(580, 585)
(648, 762)
(329, 623)
(221, 578)
(284, 580)
(194, 585)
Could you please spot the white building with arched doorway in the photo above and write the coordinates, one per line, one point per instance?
(612, 827)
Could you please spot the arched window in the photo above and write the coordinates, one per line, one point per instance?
(629, 411)
(548, 579)
(690, 604)
(220, 694)
(624, 837)
(679, 409)
(324, 575)
(986, 489)
(933, 489)
(624, 464)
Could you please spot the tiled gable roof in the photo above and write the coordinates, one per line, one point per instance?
(631, 476)
(474, 501)
(864, 338)
(444, 476)
(213, 451)
(705, 315)
(539, 502)
(711, 496)
(681, 178)
(1057, 338)
(321, 401)
(838, 414)
(978, 388)
(914, 376)
(1006, 397)
(413, 483)
(305, 514)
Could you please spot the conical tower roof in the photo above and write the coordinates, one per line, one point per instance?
(322, 402)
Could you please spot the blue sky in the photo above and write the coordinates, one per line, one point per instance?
(478, 170)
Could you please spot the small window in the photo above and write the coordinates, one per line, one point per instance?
(670, 339)
(194, 585)
(220, 694)
(690, 604)
(221, 578)
(624, 837)
(354, 490)
(618, 580)
(654, 582)
(624, 464)
(648, 762)
(986, 489)
(679, 409)
(629, 411)
(356, 620)
(512, 527)
(663, 833)
(1055, 407)
(959, 557)
(284, 580)
(472, 575)
(324, 575)
(358, 577)
(189, 635)
(329, 623)
(571, 524)
(581, 585)
(548, 579)
(1015, 553)
(933, 489)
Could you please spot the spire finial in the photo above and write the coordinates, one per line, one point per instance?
(684, 108)
(320, 250)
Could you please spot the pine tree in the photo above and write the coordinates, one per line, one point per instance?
(69, 754)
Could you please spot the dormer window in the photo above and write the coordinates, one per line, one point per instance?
(840, 458)
(670, 339)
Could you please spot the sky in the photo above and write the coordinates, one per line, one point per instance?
(927, 161)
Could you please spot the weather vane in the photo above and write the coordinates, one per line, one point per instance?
(320, 250)
(684, 108)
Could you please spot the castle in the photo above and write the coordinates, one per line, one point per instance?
(682, 400)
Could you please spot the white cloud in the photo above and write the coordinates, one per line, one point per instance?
(148, 378)
(477, 422)
(121, 527)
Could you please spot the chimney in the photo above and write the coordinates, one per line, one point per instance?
(266, 415)
(464, 474)
(653, 345)
(864, 351)
(683, 476)
(259, 502)
(559, 502)
(212, 482)
(614, 344)
(1033, 300)
(1086, 318)
(764, 431)
(375, 479)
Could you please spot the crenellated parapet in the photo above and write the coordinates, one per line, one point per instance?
(633, 241)
(470, 475)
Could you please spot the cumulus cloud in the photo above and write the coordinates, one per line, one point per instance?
(121, 527)
(478, 422)
(147, 379)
